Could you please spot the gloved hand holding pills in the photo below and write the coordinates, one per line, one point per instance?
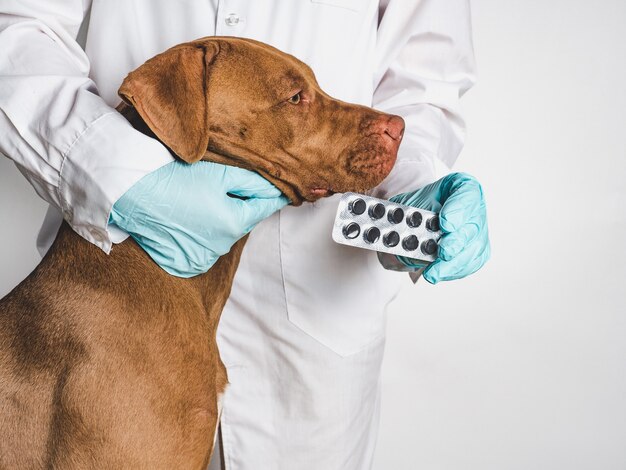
(450, 243)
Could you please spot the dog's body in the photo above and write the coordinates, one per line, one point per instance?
(108, 361)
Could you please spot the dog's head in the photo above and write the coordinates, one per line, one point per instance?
(244, 103)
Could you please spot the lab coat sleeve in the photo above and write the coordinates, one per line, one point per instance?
(425, 63)
(76, 151)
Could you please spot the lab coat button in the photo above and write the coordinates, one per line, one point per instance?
(232, 20)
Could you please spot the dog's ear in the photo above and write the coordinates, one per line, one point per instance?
(169, 93)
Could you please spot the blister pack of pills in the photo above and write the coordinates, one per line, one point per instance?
(388, 227)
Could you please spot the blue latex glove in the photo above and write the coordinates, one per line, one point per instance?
(183, 218)
(464, 247)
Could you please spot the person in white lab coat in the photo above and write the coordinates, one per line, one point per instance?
(302, 334)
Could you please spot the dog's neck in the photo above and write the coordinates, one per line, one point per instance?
(213, 286)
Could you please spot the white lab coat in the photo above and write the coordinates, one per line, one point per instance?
(303, 332)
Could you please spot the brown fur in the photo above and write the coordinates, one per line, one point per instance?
(108, 361)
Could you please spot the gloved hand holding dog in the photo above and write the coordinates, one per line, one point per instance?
(183, 217)
(464, 247)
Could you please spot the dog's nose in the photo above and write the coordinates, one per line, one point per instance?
(394, 127)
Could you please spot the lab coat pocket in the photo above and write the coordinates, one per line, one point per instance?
(336, 294)
(354, 5)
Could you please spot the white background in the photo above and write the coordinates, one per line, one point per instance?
(523, 365)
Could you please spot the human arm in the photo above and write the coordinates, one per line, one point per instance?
(78, 153)
(426, 65)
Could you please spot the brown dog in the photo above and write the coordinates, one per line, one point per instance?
(108, 361)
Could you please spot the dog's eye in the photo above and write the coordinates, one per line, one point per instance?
(295, 99)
